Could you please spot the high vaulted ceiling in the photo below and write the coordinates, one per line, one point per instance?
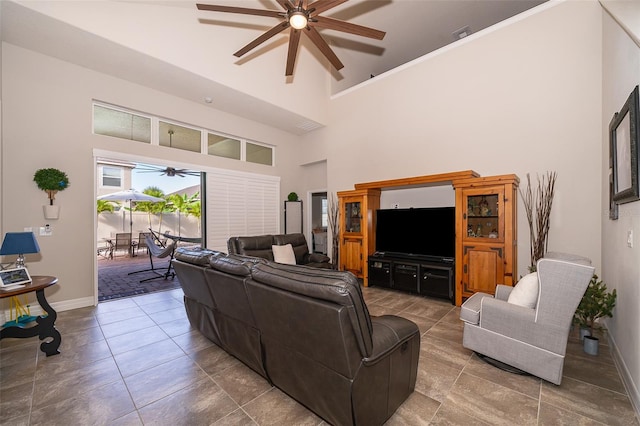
(414, 28)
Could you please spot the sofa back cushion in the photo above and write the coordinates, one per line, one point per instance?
(298, 243)
(258, 246)
(340, 289)
(196, 255)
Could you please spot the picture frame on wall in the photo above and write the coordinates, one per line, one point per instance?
(623, 151)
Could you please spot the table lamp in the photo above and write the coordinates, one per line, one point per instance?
(19, 243)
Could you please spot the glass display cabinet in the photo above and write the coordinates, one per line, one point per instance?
(357, 229)
(486, 246)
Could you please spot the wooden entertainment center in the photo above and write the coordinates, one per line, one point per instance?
(486, 246)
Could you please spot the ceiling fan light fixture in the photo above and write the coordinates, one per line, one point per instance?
(298, 20)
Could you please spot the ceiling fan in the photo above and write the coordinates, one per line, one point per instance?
(166, 171)
(302, 18)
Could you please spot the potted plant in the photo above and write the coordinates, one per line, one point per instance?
(596, 303)
(292, 196)
(51, 181)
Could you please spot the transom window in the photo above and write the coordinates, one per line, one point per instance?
(121, 123)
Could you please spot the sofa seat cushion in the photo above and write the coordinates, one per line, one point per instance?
(284, 254)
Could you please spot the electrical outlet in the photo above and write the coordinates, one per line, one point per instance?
(630, 238)
(395, 205)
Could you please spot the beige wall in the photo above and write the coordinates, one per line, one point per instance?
(524, 98)
(621, 269)
(47, 119)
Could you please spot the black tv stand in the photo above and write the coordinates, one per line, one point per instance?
(426, 275)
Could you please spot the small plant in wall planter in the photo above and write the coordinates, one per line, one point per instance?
(596, 303)
(51, 181)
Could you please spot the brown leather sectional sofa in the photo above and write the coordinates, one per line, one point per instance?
(306, 330)
(260, 246)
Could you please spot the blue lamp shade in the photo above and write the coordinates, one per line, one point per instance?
(19, 243)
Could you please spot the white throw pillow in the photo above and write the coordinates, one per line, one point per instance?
(284, 254)
(525, 293)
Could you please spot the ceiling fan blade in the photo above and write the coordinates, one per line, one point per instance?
(320, 6)
(317, 39)
(243, 10)
(264, 37)
(347, 27)
(286, 4)
(294, 41)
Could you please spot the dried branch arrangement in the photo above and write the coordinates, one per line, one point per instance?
(334, 225)
(537, 206)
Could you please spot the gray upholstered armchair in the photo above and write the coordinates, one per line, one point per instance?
(532, 339)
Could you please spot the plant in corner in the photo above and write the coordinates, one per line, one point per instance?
(538, 209)
(51, 181)
(596, 303)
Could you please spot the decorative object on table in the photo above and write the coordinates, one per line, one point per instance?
(596, 303)
(623, 151)
(14, 278)
(538, 209)
(51, 181)
(292, 196)
(19, 243)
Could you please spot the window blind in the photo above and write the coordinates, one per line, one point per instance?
(240, 204)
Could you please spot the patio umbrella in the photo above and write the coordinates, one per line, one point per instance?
(130, 195)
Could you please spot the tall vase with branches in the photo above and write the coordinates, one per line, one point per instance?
(334, 226)
(537, 205)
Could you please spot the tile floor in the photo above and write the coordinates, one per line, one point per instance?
(137, 361)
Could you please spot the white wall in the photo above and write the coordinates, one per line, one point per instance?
(523, 98)
(621, 269)
(47, 118)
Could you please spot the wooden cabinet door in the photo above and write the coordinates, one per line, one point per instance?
(351, 256)
(483, 268)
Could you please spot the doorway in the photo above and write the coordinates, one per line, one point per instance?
(124, 263)
(319, 222)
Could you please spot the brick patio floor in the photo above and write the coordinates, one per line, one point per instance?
(114, 281)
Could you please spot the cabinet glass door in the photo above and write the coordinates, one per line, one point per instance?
(353, 217)
(484, 216)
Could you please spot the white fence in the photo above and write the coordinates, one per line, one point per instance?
(109, 224)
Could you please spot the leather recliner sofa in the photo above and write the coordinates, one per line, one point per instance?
(260, 246)
(306, 330)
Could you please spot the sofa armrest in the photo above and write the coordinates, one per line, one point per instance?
(317, 258)
(503, 292)
(519, 323)
(389, 332)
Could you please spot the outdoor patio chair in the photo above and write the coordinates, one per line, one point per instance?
(142, 243)
(106, 250)
(160, 253)
(124, 242)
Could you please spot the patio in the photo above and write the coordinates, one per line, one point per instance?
(114, 281)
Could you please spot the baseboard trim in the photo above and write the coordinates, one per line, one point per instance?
(630, 386)
(65, 305)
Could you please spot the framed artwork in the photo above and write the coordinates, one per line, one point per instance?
(623, 151)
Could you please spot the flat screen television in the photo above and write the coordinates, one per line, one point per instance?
(427, 231)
